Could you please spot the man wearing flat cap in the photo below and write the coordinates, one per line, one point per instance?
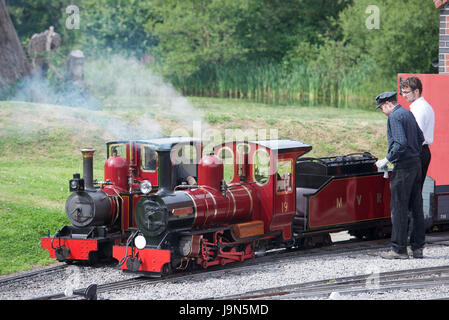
(405, 140)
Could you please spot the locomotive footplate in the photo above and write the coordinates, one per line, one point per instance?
(68, 245)
(146, 259)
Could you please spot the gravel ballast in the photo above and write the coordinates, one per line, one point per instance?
(230, 282)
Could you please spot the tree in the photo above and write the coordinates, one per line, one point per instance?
(35, 16)
(271, 28)
(13, 62)
(405, 40)
(116, 26)
(195, 33)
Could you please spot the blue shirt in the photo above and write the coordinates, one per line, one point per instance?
(405, 138)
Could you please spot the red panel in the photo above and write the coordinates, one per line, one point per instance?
(125, 213)
(350, 200)
(284, 202)
(435, 91)
(152, 259)
(79, 249)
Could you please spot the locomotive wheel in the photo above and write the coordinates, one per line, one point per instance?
(308, 243)
(378, 233)
(327, 241)
(166, 269)
(93, 258)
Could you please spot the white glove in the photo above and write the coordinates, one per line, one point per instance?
(382, 164)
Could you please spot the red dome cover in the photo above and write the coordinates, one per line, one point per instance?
(210, 171)
(116, 171)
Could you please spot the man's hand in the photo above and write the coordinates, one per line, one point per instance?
(191, 180)
(382, 164)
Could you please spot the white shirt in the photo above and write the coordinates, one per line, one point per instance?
(425, 117)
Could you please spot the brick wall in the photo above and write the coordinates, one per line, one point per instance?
(439, 3)
(443, 5)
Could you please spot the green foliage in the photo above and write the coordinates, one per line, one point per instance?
(407, 40)
(116, 26)
(196, 36)
(35, 16)
(24, 15)
(194, 33)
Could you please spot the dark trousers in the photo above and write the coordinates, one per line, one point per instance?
(425, 161)
(406, 195)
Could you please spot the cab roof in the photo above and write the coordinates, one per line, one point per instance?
(284, 145)
(277, 145)
(163, 143)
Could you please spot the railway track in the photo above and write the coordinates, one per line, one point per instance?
(36, 273)
(343, 248)
(340, 287)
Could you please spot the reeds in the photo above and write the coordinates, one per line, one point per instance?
(278, 84)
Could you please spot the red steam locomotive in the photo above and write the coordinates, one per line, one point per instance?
(252, 196)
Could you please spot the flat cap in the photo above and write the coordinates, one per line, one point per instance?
(384, 97)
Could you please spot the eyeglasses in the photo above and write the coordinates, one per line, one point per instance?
(405, 92)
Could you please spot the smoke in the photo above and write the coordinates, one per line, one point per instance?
(122, 96)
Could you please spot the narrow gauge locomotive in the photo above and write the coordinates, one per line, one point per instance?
(256, 195)
(102, 213)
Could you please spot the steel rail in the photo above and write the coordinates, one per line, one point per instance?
(32, 274)
(393, 280)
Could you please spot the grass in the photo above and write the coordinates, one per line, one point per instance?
(39, 151)
(329, 130)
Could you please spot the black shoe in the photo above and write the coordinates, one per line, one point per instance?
(417, 254)
(394, 255)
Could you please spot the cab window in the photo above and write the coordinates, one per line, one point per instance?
(284, 176)
(185, 154)
(261, 166)
(148, 158)
(117, 150)
(242, 161)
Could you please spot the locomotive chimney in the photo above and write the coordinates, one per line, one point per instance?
(88, 168)
(165, 174)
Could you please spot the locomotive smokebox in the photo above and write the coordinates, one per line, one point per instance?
(89, 209)
(88, 168)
